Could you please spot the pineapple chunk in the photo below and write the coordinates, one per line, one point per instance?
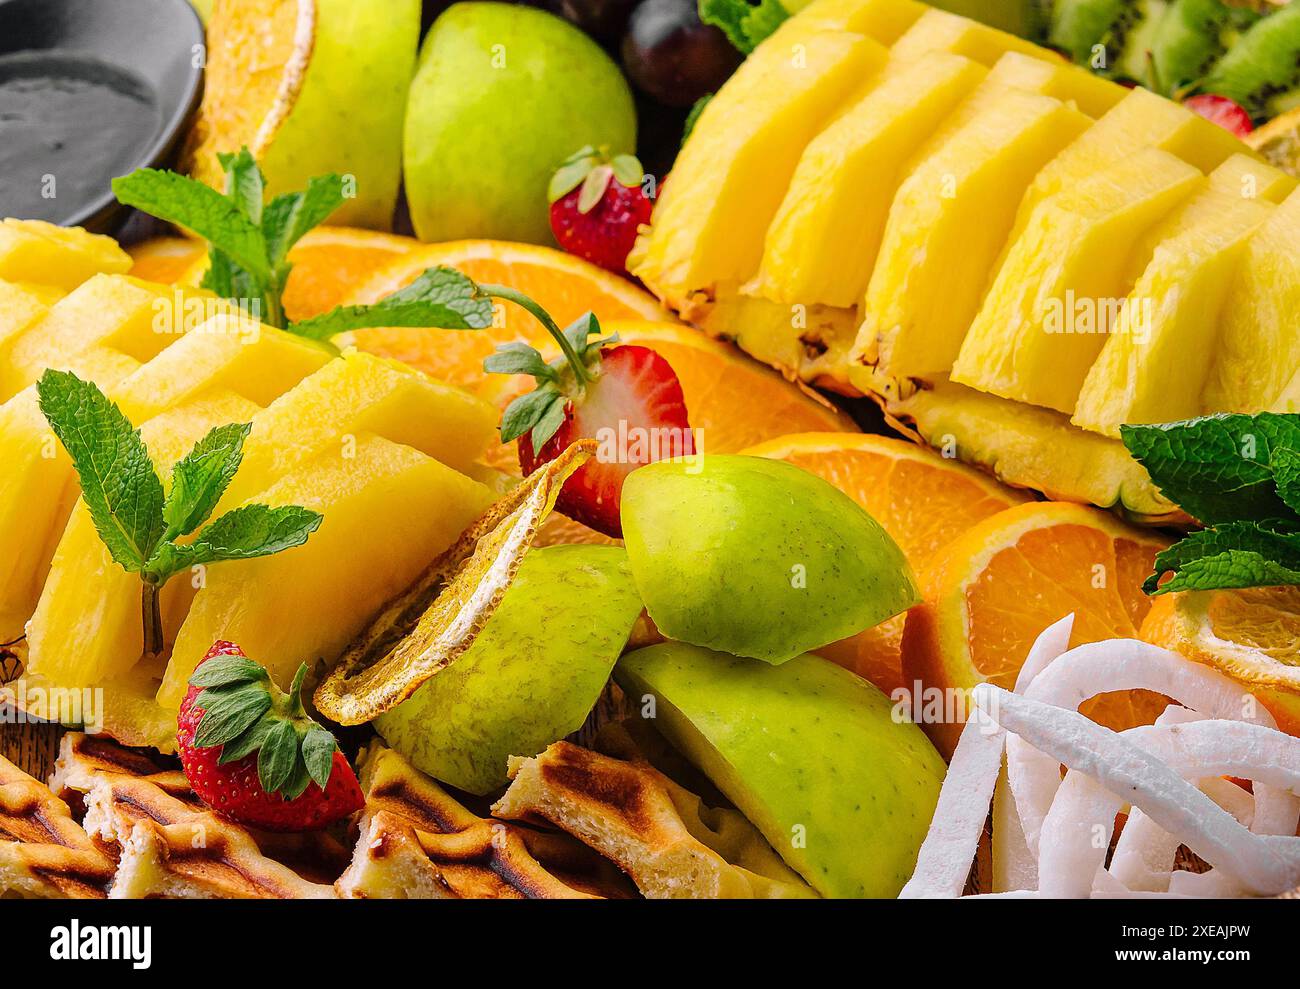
(883, 20)
(822, 244)
(1259, 349)
(1044, 321)
(20, 307)
(938, 30)
(135, 317)
(1155, 363)
(389, 511)
(87, 626)
(734, 170)
(229, 352)
(1141, 120)
(946, 228)
(44, 254)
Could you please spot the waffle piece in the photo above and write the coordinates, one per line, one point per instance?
(659, 833)
(167, 843)
(418, 842)
(43, 853)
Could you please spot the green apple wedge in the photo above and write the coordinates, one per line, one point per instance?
(348, 116)
(532, 676)
(502, 96)
(757, 557)
(809, 752)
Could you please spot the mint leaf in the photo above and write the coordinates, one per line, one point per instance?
(198, 208)
(253, 531)
(201, 478)
(1232, 552)
(118, 484)
(746, 25)
(1217, 468)
(762, 21)
(1285, 463)
(693, 117)
(291, 216)
(440, 297)
(245, 185)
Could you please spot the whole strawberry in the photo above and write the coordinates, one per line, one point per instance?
(597, 204)
(253, 755)
(626, 398)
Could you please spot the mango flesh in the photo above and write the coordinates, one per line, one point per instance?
(502, 96)
(389, 511)
(64, 257)
(1154, 366)
(757, 557)
(822, 244)
(809, 752)
(532, 676)
(1045, 319)
(87, 625)
(948, 224)
(1260, 350)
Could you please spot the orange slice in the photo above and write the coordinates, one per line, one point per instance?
(1251, 635)
(256, 69)
(565, 286)
(989, 593)
(923, 500)
(169, 260)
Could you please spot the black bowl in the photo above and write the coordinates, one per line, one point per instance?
(89, 90)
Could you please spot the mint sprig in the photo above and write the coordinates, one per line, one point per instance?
(245, 713)
(746, 25)
(249, 241)
(139, 524)
(1238, 475)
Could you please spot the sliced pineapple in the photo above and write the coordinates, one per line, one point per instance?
(734, 170)
(822, 244)
(1259, 348)
(389, 510)
(883, 20)
(20, 307)
(88, 594)
(1157, 358)
(1053, 300)
(938, 30)
(64, 257)
(946, 228)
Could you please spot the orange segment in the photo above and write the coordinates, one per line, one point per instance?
(564, 285)
(990, 592)
(167, 260)
(923, 500)
(1251, 635)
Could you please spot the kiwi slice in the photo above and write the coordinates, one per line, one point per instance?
(1125, 28)
(1080, 25)
(1191, 37)
(1262, 70)
(1139, 29)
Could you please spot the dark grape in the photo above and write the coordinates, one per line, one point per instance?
(604, 20)
(670, 55)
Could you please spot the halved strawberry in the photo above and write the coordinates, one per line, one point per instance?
(626, 398)
(253, 755)
(1220, 110)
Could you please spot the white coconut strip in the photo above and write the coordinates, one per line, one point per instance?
(1051, 643)
(1074, 838)
(1265, 864)
(1014, 866)
(944, 862)
(1100, 667)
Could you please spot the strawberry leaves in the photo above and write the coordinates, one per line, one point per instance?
(245, 713)
(138, 523)
(593, 169)
(1239, 475)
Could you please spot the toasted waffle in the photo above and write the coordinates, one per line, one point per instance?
(167, 844)
(43, 852)
(659, 833)
(418, 842)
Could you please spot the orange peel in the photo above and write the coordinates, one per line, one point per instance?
(440, 615)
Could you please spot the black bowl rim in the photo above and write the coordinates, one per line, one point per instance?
(98, 213)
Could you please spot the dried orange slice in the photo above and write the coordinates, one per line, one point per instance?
(923, 500)
(565, 286)
(257, 63)
(990, 592)
(432, 624)
(1251, 635)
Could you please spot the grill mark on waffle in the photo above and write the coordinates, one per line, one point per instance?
(619, 794)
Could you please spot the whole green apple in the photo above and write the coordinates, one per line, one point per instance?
(502, 96)
(757, 557)
(532, 676)
(811, 753)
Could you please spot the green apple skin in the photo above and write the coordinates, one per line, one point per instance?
(808, 751)
(532, 676)
(757, 558)
(349, 115)
(503, 94)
